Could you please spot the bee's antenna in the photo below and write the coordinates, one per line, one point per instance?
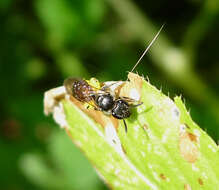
(126, 129)
(148, 47)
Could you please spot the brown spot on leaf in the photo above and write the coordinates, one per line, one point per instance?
(200, 181)
(187, 125)
(162, 176)
(145, 127)
(187, 187)
(123, 149)
(68, 133)
(193, 137)
(188, 146)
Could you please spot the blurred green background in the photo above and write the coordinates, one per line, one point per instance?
(44, 41)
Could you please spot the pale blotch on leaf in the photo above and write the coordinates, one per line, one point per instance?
(212, 148)
(132, 88)
(162, 176)
(53, 105)
(112, 137)
(188, 145)
(194, 168)
(187, 187)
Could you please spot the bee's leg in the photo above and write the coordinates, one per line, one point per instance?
(126, 129)
(136, 105)
(131, 102)
(93, 106)
(97, 109)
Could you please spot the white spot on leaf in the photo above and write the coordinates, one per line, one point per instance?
(194, 168)
(134, 94)
(143, 153)
(59, 116)
(112, 137)
(166, 135)
(212, 148)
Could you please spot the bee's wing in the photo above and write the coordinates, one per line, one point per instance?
(68, 84)
(97, 92)
(111, 86)
(131, 102)
(127, 99)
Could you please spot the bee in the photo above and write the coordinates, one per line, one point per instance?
(102, 98)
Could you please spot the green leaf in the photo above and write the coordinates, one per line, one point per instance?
(70, 22)
(35, 168)
(163, 148)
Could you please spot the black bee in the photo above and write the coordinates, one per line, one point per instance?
(102, 99)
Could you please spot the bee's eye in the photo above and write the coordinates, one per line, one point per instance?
(105, 102)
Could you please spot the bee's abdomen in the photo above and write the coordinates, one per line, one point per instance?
(81, 90)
